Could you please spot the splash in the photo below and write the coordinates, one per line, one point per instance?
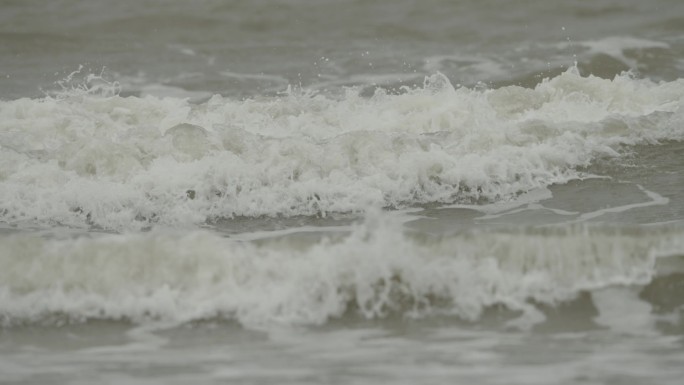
(93, 159)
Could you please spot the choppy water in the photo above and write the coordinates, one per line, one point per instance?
(341, 192)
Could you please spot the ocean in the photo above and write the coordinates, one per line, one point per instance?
(341, 192)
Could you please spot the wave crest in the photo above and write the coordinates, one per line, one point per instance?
(127, 162)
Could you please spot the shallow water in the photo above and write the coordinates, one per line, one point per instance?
(341, 192)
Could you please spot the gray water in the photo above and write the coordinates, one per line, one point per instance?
(249, 48)
(341, 192)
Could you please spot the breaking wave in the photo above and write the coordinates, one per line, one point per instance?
(95, 159)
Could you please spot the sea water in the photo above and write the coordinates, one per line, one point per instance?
(341, 192)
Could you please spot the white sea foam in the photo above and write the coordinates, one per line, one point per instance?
(81, 159)
(375, 271)
(469, 67)
(621, 310)
(165, 91)
(365, 80)
(617, 46)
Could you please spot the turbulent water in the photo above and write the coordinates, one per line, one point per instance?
(341, 192)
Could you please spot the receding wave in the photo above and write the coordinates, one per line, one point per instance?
(113, 162)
